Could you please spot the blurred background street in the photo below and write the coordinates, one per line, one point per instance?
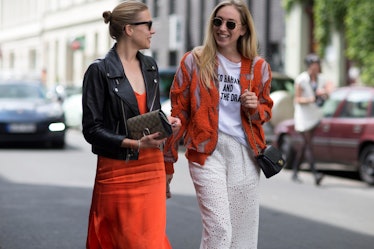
(51, 43)
(45, 196)
(45, 188)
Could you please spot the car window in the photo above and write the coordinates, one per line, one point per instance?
(356, 105)
(285, 84)
(166, 79)
(331, 104)
(17, 91)
(165, 82)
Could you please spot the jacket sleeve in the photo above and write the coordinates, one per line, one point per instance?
(180, 103)
(95, 94)
(262, 113)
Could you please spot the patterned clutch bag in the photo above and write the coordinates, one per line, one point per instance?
(149, 123)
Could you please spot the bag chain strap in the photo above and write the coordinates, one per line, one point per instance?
(154, 99)
(124, 115)
(249, 116)
(130, 151)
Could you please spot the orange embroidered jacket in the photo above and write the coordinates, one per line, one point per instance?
(197, 108)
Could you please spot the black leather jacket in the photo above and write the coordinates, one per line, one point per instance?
(108, 100)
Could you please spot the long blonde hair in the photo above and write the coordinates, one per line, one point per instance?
(247, 44)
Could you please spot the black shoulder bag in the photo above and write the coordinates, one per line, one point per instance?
(270, 159)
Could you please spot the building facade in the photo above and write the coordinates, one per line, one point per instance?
(60, 38)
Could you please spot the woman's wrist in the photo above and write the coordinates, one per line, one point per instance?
(135, 145)
(131, 144)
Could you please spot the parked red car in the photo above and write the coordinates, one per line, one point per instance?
(345, 135)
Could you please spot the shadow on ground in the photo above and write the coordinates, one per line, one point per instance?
(45, 217)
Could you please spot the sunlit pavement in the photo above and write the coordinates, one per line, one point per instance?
(336, 214)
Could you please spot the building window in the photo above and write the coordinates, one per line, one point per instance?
(275, 56)
(156, 8)
(32, 59)
(11, 60)
(173, 58)
(172, 7)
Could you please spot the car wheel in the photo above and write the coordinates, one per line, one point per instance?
(288, 152)
(366, 167)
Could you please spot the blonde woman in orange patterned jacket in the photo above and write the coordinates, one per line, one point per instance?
(216, 87)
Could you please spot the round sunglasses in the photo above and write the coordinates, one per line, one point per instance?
(149, 24)
(231, 25)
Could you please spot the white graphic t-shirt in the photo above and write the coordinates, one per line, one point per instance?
(229, 104)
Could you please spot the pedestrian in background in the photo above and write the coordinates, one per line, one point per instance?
(216, 87)
(311, 90)
(128, 209)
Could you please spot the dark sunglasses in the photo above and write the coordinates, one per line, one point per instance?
(229, 24)
(149, 24)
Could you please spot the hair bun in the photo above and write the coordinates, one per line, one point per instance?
(107, 15)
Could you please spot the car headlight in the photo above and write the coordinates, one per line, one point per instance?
(57, 126)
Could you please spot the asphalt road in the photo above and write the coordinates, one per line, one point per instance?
(45, 196)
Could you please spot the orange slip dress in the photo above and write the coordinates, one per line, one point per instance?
(128, 209)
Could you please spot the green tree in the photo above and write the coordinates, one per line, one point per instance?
(359, 34)
(355, 20)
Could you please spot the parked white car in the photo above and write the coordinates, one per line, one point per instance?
(72, 106)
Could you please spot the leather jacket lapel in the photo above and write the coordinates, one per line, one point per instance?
(151, 80)
(121, 86)
(124, 91)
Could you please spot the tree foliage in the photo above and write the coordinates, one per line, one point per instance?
(359, 34)
(354, 19)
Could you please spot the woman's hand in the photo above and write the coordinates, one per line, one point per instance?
(175, 123)
(151, 141)
(249, 99)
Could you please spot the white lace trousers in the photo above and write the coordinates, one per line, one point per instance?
(227, 192)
